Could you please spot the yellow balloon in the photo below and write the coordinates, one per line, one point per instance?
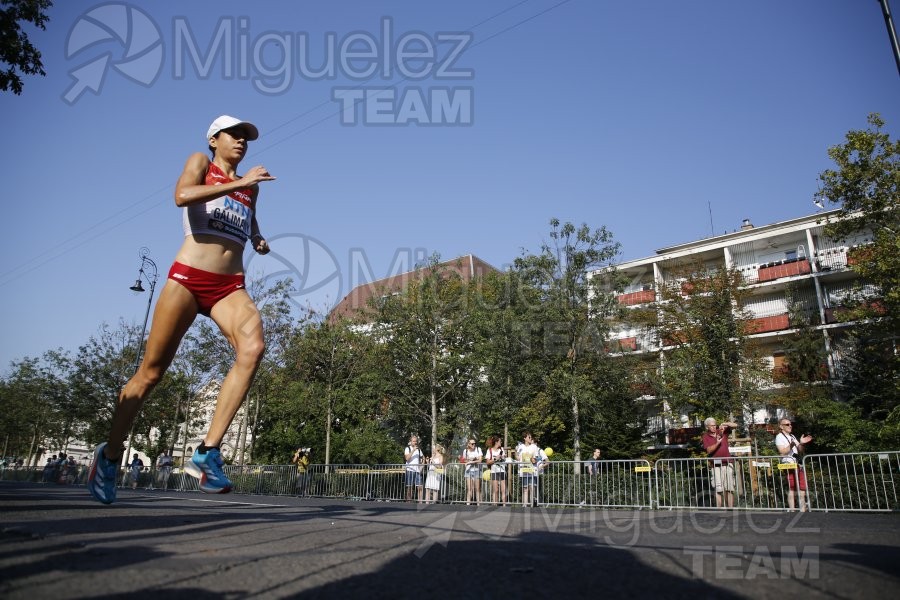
(486, 475)
(548, 451)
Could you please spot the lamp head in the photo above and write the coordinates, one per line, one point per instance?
(137, 287)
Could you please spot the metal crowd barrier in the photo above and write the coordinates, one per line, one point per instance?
(860, 481)
(23, 474)
(349, 482)
(617, 484)
(68, 476)
(754, 482)
(389, 482)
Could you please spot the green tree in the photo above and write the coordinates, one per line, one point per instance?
(101, 367)
(328, 396)
(865, 186)
(427, 349)
(806, 390)
(511, 373)
(708, 363)
(16, 51)
(35, 399)
(572, 318)
(331, 361)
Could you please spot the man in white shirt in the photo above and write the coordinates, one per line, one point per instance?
(791, 450)
(413, 457)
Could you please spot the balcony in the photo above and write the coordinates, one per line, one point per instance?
(634, 298)
(772, 271)
(767, 324)
(843, 314)
(782, 374)
(831, 259)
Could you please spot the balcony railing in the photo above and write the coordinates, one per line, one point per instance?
(783, 374)
(634, 298)
(840, 314)
(767, 324)
(831, 259)
(773, 271)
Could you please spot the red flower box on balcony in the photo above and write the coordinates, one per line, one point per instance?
(797, 267)
(641, 297)
(766, 324)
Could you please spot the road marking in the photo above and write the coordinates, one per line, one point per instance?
(214, 501)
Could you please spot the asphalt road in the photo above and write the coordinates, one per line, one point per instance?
(56, 542)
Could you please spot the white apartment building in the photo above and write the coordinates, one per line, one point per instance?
(792, 255)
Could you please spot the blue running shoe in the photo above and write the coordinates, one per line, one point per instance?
(102, 478)
(207, 468)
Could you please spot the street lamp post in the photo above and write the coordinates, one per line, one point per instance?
(149, 273)
(892, 33)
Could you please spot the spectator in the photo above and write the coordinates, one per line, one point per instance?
(592, 469)
(715, 442)
(301, 459)
(471, 457)
(414, 459)
(136, 465)
(164, 464)
(527, 455)
(71, 471)
(791, 450)
(49, 467)
(435, 475)
(496, 458)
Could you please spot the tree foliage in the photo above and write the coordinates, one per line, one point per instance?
(571, 320)
(427, 351)
(865, 186)
(710, 367)
(17, 52)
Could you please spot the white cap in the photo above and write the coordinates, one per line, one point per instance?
(227, 122)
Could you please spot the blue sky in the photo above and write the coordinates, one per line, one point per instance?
(640, 116)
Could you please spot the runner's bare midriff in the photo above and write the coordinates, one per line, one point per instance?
(212, 253)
